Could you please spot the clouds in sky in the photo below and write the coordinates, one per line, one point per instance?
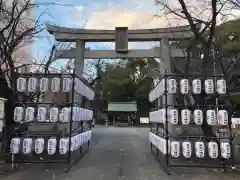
(108, 14)
(101, 14)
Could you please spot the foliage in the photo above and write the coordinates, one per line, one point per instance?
(129, 80)
(227, 36)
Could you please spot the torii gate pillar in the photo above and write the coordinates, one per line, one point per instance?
(79, 57)
(121, 36)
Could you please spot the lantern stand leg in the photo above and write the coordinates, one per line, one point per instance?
(13, 163)
(166, 124)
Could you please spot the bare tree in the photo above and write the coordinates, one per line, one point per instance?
(93, 70)
(235, 3)
(17, 29)
(204, 39)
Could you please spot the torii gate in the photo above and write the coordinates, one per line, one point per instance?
(121, 36)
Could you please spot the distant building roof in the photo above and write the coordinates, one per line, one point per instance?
(122, 106)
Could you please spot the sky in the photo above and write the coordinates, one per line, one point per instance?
(96, 14)
(103, 14)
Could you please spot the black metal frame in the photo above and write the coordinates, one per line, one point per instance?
(166, 161)
(72, 157)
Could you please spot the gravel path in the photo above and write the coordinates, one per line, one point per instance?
(102, 161)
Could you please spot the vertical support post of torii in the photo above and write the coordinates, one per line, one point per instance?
(166, 59)
(79, 57)
(165, 54)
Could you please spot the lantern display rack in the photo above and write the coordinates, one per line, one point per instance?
(2, 121)
(57, 132)
(190, 151)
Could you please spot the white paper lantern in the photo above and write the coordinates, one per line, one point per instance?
(158, 142)
(154, 116)
(77, 85)
(213, 150)
(67, 84)
(160, 88)
(74, 114)
(73, 143)
(27, 145)
(173, 116)
(81, 139)
(63, 145)
(1, 125)
(169, 146)
(15, 145)
(52, 146)
(83, 90)
(53, 114)
(163, 145)
(42, 114)
(55, 84)
(187, 149)
(225, 150)
(175, 149)
(185, 116)
(198, 116)
(39, 145)
(184, 86)
(172, 86)
(221, 86)
(150, 117)
(44, 84)
(87, 134)
(86, 94)
(18, 114)
(32, 84)
(90, 134)
(21, 84)
(91, 95)
(223, 117)
(78, 141)
(200, 149)
(209, 86)
(65, 115)
(196, 86)
(79, 114)
(90, 114)
(2, 107)
(29, 115)
(211, 117)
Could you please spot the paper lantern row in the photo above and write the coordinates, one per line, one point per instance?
(38, 146)
(55, 114)
(175, 148)
(31, 85)
(209, 87)
(213, 118)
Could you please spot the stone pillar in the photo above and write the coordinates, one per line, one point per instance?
(165, 54)
(166, 66)
(79, 57)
